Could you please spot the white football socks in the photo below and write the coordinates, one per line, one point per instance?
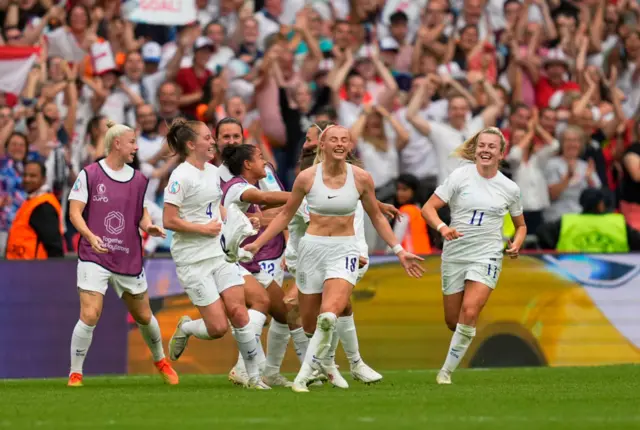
(196, 328)
(330, 357)
(300, 342)
(246, 340)
(346, 329)
(80, 343)
(460, 341)
(277, 340)
(256, 322)
(153, 338)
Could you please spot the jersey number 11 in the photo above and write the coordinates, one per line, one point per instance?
(476, 219)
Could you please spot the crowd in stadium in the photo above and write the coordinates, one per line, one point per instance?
(411, 79)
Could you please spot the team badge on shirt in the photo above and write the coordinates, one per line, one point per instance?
(174, 187)
(76, 185)
(270, 178)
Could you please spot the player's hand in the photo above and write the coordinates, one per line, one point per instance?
(512, 250)
(252, 248)
(450, 233)
(156, 231)
(390, 211)
(362, 261)
(212, 229)
(411, 264)
(255, 222)
(97, 245)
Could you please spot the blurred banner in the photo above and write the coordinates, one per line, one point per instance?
(39, 307)
(161, 12)
(556, 310)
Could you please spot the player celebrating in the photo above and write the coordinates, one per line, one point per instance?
(328, 253)
(345, 327)
(106, 206)
(192, 210)
(248, 167)
(479, 196)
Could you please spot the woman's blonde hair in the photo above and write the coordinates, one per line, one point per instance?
(467, 150)
(113, 131)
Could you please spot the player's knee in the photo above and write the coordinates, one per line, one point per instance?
(309, 326)
(217, 328)
(237, 315)
(143, 316)
(468, 314)
(90, 316)
(261, 303)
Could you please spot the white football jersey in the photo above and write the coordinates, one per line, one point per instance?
(478, 206)
(197, 195)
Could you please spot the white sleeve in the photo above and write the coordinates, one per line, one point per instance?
(175, 191)
(234, 193)
(80, 191)
(448, 188)
(515, 207)
(303, 211)
(146, 169)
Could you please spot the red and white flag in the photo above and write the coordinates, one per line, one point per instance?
(15, 64)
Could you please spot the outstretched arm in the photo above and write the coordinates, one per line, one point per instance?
(370, 205)
(281, 221)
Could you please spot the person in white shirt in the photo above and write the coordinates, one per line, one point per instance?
(479, 196)
(446, 137)
(194, 212)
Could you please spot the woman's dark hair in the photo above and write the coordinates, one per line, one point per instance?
(411, 182)
(86, 11)
(234, 156)
(228, 120)
(93, 122)
(307, 158)
(181, 132)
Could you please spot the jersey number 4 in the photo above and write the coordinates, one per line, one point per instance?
(476, 219)
(208, 211)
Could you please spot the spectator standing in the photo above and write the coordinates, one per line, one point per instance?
(36, 232)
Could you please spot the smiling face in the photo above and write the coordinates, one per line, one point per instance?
(229, 134)
(571, 144)
(17, 147)
(32, 178)
(336, 143)
(256, 165)
(202, 148)
(489, 150)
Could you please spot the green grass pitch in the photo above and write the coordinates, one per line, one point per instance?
(521, 399)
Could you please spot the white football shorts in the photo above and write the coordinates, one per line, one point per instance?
(93, 277)
(323, 257)
(205, 280)
(455, 274)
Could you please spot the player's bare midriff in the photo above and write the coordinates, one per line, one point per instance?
(321, 225)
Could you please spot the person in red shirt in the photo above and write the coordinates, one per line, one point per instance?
(191, 80)
(556, 67)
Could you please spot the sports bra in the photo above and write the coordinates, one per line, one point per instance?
(329, 202)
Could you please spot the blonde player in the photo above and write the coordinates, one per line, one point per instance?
(345, 327)
(479, 196)
(328, 253)
(107, 207)
(193, 211)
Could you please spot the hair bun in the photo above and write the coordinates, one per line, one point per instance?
(110, 123)
(178, 122)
